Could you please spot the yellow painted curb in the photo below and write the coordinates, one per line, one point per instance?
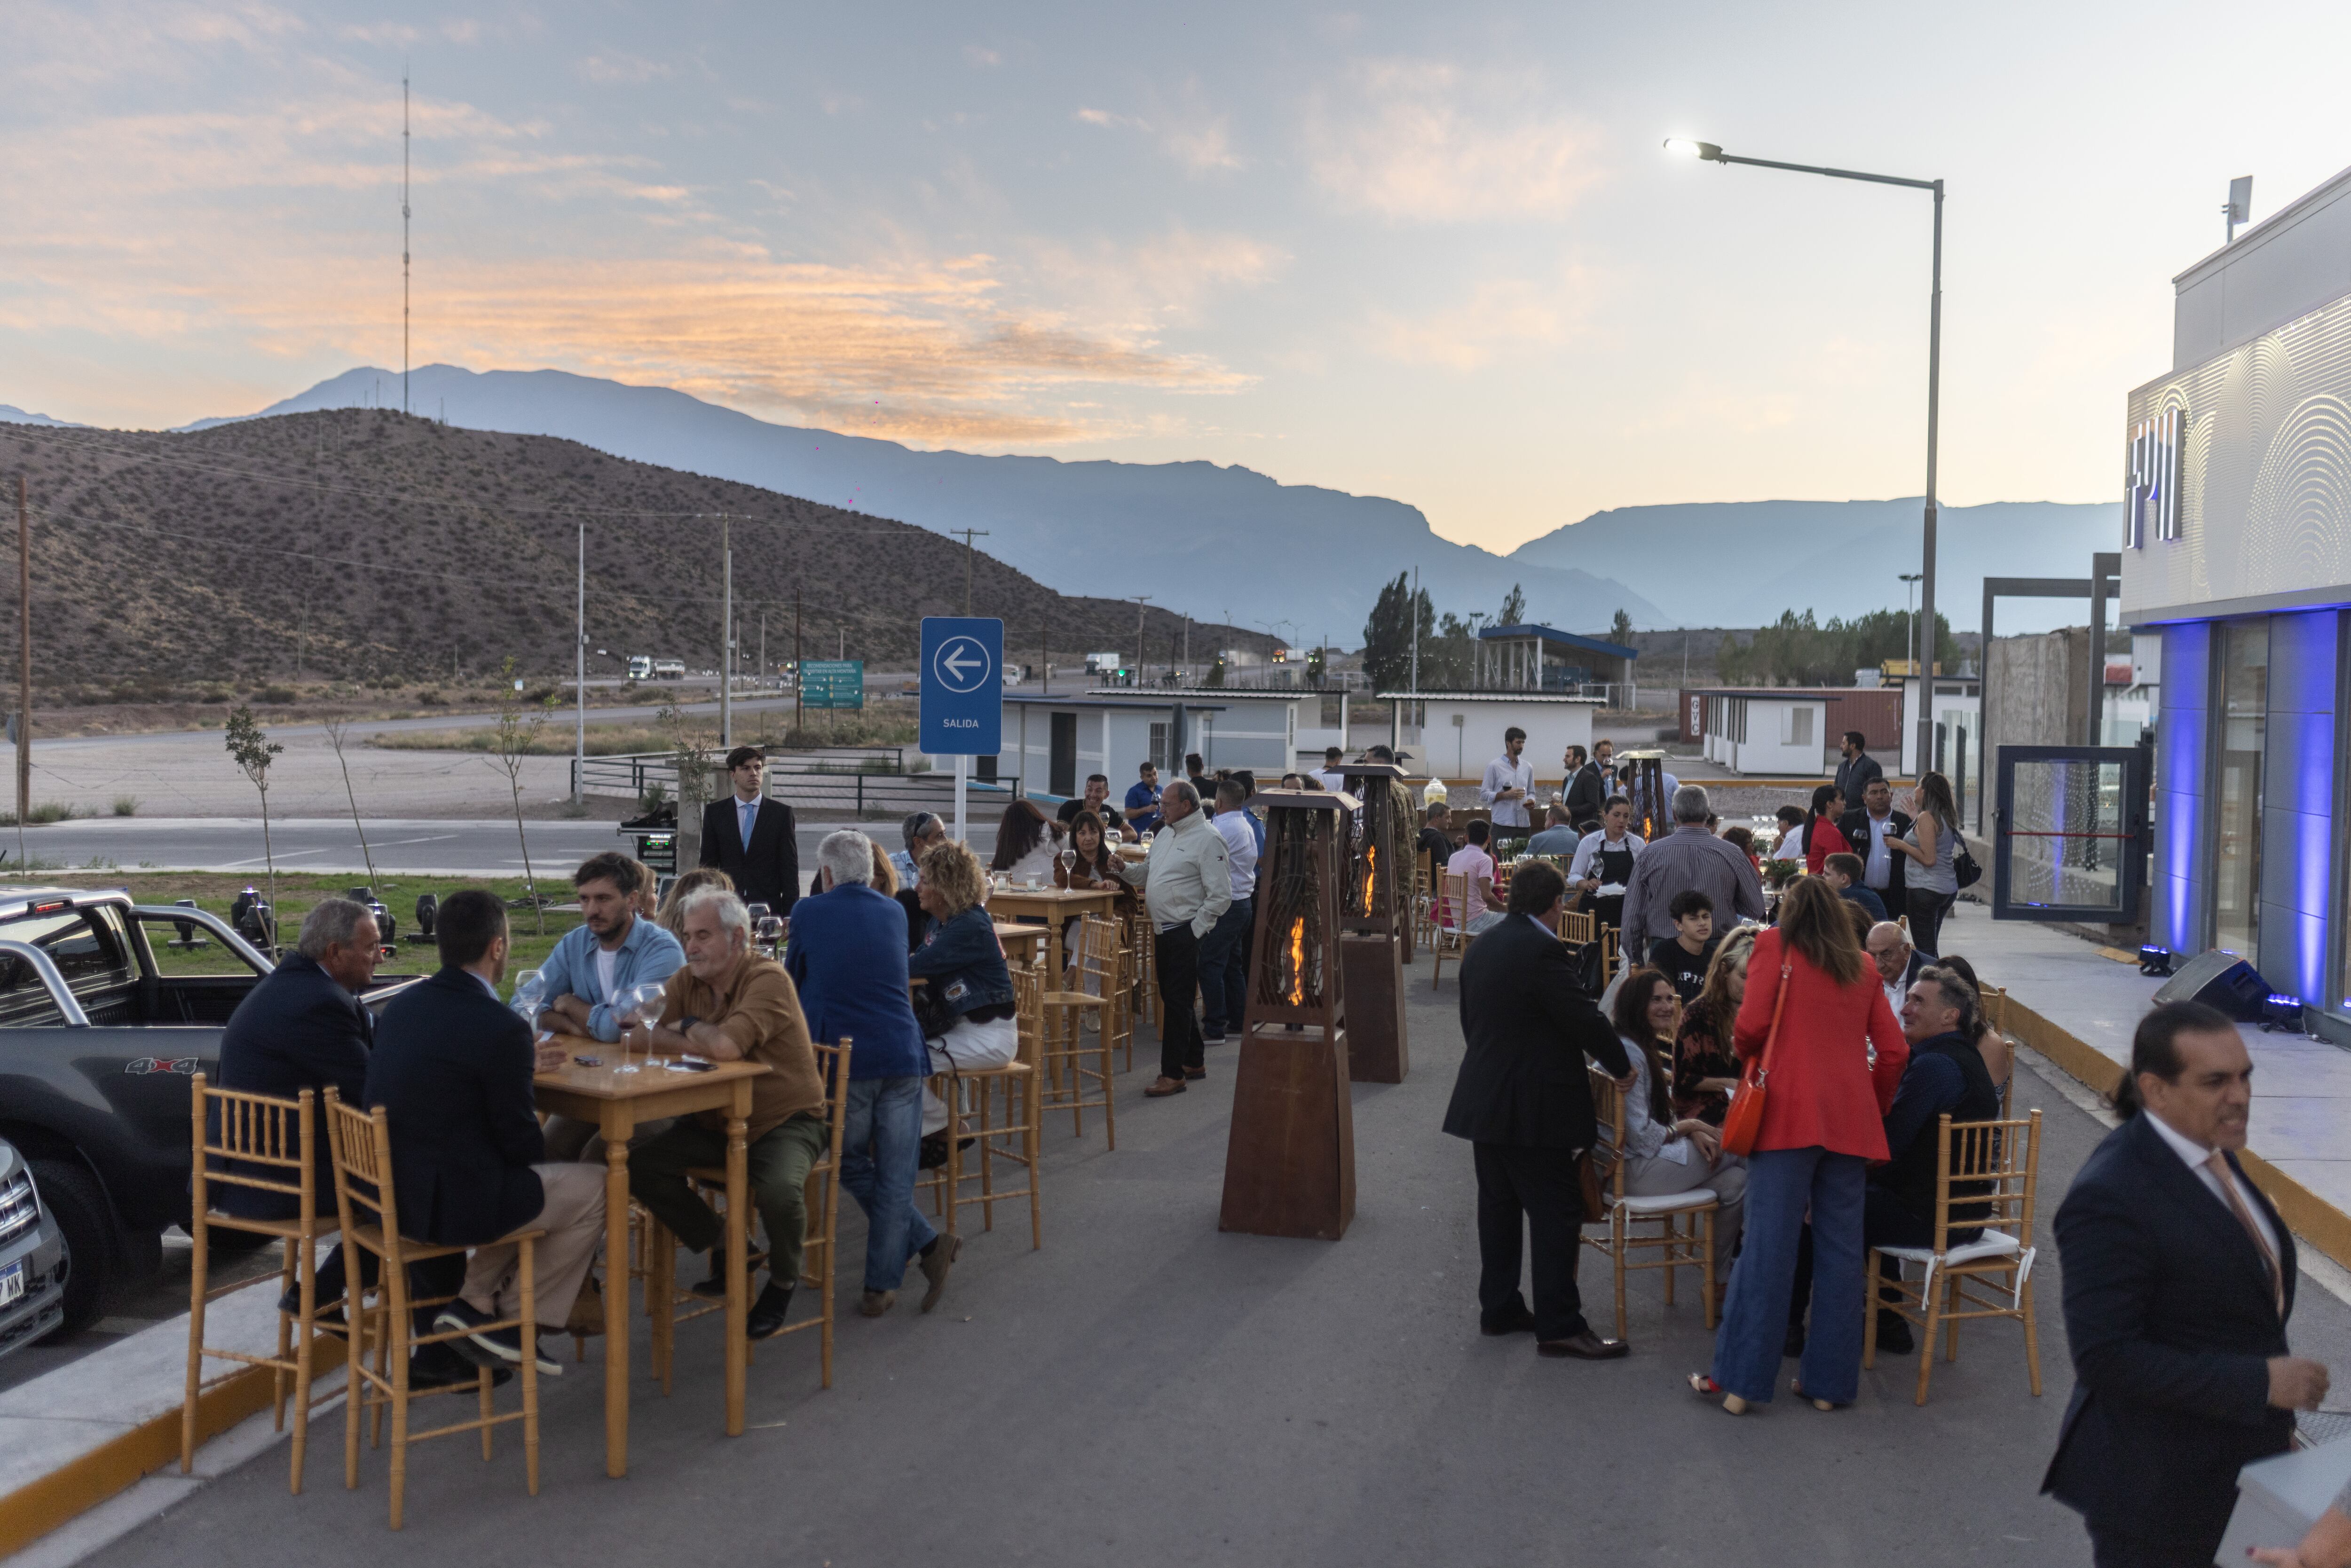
(32, 1511)
(2305, 1213)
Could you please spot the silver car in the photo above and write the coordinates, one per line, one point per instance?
(32, 1258)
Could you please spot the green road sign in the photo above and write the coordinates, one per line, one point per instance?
(833, 683)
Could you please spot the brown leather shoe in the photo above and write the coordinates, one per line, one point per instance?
(1585, 1347)
(1161, 1087)
(873, 1303)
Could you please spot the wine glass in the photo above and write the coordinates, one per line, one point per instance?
(770, 929)
(530, 993)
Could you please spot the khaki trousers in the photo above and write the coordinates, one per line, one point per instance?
(573, 1219)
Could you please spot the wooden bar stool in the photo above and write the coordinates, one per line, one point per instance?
(362, 1141)
(262, 1144)
(1016, 1138)
(818, 1248)
(1066, 1051)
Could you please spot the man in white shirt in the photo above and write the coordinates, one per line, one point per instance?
(1507, 781)
(1897, 962)
(1224, 957)
(1329, 776)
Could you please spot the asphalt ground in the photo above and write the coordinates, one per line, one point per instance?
(1146, 1390)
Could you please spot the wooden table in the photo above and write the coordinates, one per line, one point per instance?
(1056, 907)
(616, 1101)
(1024, 938)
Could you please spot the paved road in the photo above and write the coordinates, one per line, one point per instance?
(1148, 1391)
(484, 846)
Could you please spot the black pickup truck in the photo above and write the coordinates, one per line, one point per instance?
(98, 1042)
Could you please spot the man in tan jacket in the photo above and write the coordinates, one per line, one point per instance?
(732, 1003)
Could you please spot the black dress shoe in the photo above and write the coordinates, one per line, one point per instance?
(767, 1313)
(714, 1286)
(1893, 1334)
(1585, 1347)
(1523, 1322)
(434, 1366)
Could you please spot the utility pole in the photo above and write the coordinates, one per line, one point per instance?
(969, 552)
(799, 666)
(403, 238)
(580, 673)
(1141, 608)
(763, 646)
(1413, 609)
(727, 631)
(1045, 646)
(1187, 643)
(24, 666)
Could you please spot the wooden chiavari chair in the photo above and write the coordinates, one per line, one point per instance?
(1677, 1248)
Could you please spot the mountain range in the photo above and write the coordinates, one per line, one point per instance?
(1835, 557)
(1218, 543)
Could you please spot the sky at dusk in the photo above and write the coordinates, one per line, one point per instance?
(1429, 252)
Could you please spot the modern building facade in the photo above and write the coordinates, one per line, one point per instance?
(2236, 552)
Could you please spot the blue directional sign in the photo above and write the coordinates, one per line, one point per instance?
(963, 687)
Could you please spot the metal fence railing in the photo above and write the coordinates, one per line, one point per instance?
(871, 782)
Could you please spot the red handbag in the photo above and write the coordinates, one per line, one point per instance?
(1743, 1124)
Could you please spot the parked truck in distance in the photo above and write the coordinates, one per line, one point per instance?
(640, 666)
(669, 669)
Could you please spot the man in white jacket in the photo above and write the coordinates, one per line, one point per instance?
(1186, 880)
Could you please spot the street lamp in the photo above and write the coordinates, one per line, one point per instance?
(1708, 151)
(1909, 622)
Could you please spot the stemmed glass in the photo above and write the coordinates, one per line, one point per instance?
(529, 996)
(641, 1003)
(768, 930)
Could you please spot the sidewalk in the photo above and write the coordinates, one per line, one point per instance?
(2078, 1008)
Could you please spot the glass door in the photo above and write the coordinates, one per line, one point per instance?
(2237, 847)
(2070, 833)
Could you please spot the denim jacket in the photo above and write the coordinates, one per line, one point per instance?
(963, 958)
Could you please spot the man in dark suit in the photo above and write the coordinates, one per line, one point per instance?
(1854, 773)
(1587, 792)
(1866, 828)
(303, 1028)
(752, 839)
(1522, 1101)
(452, 1068)
(2180, 1278)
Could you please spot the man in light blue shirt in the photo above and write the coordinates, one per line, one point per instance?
(607, 953)
(1559, 838)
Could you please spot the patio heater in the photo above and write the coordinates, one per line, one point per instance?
(1652, 812)
(1289, 1162)
(1378, 941)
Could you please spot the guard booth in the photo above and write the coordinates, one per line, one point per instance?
(2071, 833)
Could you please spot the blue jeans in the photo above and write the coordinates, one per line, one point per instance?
(1224, 969)
(1780, 1184)
(880, 1150)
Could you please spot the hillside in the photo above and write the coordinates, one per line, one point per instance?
(1835, 557)
(1197, 537)
(364, 543)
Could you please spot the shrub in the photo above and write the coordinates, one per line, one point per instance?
(126, 805)
(278, 695)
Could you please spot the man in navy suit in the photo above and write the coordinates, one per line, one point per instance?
(2180, 1278)
(754, 840)
(303, 1028)
(452, 1068)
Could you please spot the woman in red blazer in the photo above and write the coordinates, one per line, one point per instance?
(1831, 1079)
(1823, 837)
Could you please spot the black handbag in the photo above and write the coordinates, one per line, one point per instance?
(1964, 869)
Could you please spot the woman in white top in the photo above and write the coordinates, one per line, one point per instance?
(1663, 1155)
(1027, 845)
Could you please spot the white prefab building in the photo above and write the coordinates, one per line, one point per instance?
(1459, 732)
(1052, 742)
(1778, 732)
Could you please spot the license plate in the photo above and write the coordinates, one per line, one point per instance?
(12, 1283)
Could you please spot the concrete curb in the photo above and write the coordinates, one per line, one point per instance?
(2308, 1215)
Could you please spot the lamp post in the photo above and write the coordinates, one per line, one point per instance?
(1909, 580)
(1708, 151)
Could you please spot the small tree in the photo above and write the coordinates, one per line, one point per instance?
(1514, 607)
(692, 750)
(1620, 631)
(518, 737)
(1217, 672)
(336, 728)
(254, 751)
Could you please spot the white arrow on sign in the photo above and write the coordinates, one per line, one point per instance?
(963, 664)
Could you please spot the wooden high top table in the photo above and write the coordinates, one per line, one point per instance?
(616, 1101)
(1055, 906)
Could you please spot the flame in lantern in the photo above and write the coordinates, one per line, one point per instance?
(1371, 866)
(1298, 962)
